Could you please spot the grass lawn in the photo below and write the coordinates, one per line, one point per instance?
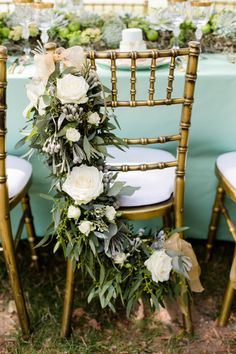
(97, 331)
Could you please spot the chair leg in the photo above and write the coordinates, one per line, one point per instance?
(28, 219)
(68, 301)
(214, 221)
(10, 257)
(226, 307)
(167, 221)
(187, 320)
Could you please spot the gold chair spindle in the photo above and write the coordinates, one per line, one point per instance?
(152, 78)
(113, 79)
(133, 79)
(170, 78)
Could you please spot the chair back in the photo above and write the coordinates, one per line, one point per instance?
(186, 100)
(3, 130)
(225, 4)
(134, 6)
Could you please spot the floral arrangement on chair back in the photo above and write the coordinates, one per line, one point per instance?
(71, 127)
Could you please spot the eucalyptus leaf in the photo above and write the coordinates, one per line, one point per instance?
(115, 189)
(87, 147)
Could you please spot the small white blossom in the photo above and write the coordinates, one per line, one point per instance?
(93, 118)
(72, 134)
(119, 258)
(160, 265)
(110, 213)
(85, 227)
(73, 212)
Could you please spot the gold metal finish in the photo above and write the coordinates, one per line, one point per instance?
(8, 204)
(68, 301)
(225, 3)
(42, 5)
(224, 188)
(5, 225)
(176, 203)
(22, 2)
(201, 3)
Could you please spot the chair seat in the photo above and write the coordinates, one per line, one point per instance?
(156, 186)
(19, 172)
(226, 164)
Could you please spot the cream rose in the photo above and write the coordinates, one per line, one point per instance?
(85, 227)
(119, 258)
(72, 89)
(34, 91)
(73, 212)
(72, 134)
(94, 118)
(160, 265)
(44, 65)
(83, 184)
(110, 213)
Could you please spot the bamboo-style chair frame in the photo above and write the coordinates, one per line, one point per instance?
(8, 245)
(141, 7)
(223, 189)
(176, 203)
(226, 3)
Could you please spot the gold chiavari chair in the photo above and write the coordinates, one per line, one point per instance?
(167, 183)
(226, 174)
(103, 6)
(225, 4)
(15, 178)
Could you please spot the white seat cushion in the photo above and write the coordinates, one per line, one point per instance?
(19, 172)
(156, 186)
(226, 164)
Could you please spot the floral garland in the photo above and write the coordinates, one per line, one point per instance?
(70, 127)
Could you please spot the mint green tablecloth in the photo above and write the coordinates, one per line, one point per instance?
(212, 133)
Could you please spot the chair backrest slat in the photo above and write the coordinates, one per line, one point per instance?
(3, 129)
(170, 78)
(152, 77)
(133, 80)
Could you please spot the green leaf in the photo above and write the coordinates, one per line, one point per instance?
(91, 244)
(91, 295)
(102, 274)
(87, 147)
(155, 302)
(20, 143)
(46, 196)
(115, 189)
(33, 132)
(56, 247)
(43, 241)
(60, 120)
(129, 306)
(128, 190)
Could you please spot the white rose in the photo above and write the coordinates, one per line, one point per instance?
(73, 212)
(34, 90)
(44, 65)
(160, 265)
(85, 227)
(110, 213)
(83, 184)
(94, 118)
(72, 134)
(119, 258)
(72, 89)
